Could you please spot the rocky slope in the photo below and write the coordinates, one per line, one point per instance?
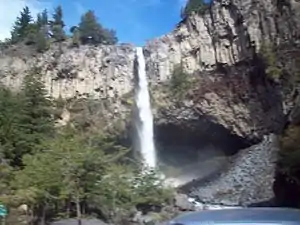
(242, 183)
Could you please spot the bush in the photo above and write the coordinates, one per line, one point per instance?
(289, 160)
(179, 83)
(269, 56)
(198, 6)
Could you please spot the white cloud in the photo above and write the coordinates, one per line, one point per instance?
(10, 9)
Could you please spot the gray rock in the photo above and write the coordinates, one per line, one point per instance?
(248, 180)
(183, 203)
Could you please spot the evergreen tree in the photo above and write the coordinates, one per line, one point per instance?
(42, 34)
(75, 36)
(11, 132)
(92, 32)
(39, 183)
(44, 17)
(37, 105)
(58, 25)
(25, 120)
(89, 28)
(109, 37)
(73, 170)
(39, 20)
(198, 6)
(41, 40)
(22, 26)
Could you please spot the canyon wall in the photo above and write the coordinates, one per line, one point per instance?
(96, 72)
(230, 32)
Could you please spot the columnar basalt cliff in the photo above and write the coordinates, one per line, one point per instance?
(98, 72)
(228, 33)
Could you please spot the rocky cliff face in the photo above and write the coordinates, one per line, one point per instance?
(97, 72)
(226, 34)
(230, 32)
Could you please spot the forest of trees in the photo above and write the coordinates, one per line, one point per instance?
(43, 31)
(64, 172)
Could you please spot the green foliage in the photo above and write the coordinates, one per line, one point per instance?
(124, 187)
(198, 6)
(269, 55)
(42, 43)
(179, 83)
(92, 32)
(53, 171)
(31, 32)
(73, 168)
(289, 160)
(40, 33)
(42, 19)
(11, 140)
(25, 119)
(37, 105)
(6, 175)
(22, 26)
(58, 25)
(109, 36)
(75, 37)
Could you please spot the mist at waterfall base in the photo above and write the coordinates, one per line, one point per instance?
(179, 164)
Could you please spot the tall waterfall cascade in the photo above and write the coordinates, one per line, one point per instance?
(145, 125)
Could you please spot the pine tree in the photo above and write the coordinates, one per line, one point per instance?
(58, 25)
(41, 36)
(109, 37)
(89, 28)
(194, 6)
(44, 17)
(39, 20)
(11, 132)
(22, 26)
(75, 36)
(25, 119)
(41, 40)
(37, 104)
(37, 120)
(91, 31)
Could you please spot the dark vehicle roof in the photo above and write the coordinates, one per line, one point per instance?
(75, 222)
(240, 216)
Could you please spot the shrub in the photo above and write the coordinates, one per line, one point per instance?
(179, 83)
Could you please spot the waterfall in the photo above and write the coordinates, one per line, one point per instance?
(144, 125)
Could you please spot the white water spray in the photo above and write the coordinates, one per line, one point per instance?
(145, 127)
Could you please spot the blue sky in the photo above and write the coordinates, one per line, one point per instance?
(135, 21)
